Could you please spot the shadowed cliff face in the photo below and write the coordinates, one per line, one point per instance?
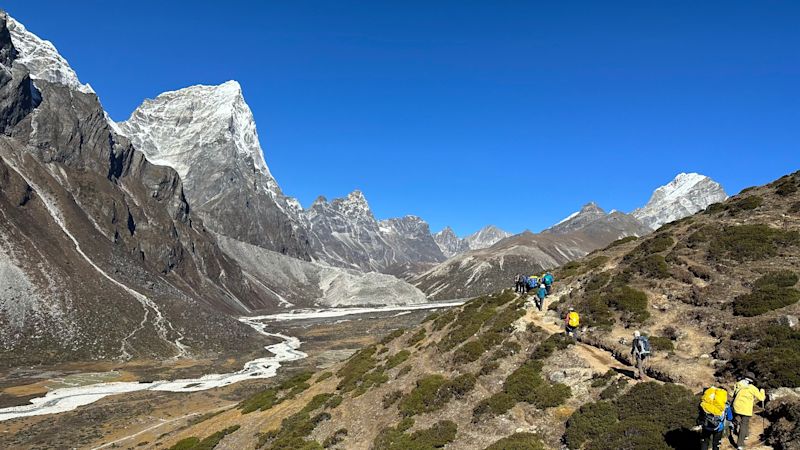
(102, 256)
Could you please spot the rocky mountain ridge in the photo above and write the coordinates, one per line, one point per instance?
(681, 197)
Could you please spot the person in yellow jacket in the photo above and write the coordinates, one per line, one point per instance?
(745, 395)
(571, 323)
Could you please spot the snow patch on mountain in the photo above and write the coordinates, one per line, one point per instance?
(687, 194)
(42, 59)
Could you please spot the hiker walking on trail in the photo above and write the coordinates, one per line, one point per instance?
(540, 295)
(745, 395)
(548, 282)
(714, 412)
(532, 283)
(524, 282)
(640, 350)
(518, 283)
(571, 323)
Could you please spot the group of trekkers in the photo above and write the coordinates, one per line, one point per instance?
(541, 286)
(718, 415)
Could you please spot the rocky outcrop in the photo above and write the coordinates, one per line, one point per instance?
(449, 243)
(486, 237)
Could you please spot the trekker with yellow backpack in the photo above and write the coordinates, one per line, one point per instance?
(714, 412)
(745, 395)
(572, 322)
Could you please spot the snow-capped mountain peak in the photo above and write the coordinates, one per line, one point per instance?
(449, 243)
(486, 237)
(171, 128)
(42, 59)
(685, 195)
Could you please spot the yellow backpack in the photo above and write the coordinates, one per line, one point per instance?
(573, 319)
(714, 401)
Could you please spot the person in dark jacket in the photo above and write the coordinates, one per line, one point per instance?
(712, 438)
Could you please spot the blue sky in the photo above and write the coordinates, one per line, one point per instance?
(467, 113)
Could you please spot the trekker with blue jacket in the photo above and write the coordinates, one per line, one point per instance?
(548, 282)
(540, 295)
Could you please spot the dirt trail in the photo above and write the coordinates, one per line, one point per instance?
(601, 361)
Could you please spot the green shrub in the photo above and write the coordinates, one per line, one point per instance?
(318, 401)
(404, 370)
(494, 405)
(553, 342)
(355, 369)
(490, 339)
(397, 359)
(773, 355)
(335, 438)
(589, 422)
(518, 441)
(600, 380)
(526, 384)
(614, 389)
(395, 438)
(764, 299)
(751, 242)
(661, 344)
(392, 336)
(260, 401)
(622, 241)
(334, 401)
(784, 430)
(595, 312)
(714, 208)
(324, 376)
(782, 278)
(651, 266)
(632, 303)
(469, 352)
(444, 319)
(567, 270)
(285, 390)
(598, 281)
(193, 443)
(648, 416)
(432, 392)
(745, 204)
(785, 188)
(390, 398)
(595, 262)
(507, 349)
(488, 368)
(416, 337)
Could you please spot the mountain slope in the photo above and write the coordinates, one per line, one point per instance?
(488, 270)
(485, 237)
(494, 374)
(683, 196)
(102, 257)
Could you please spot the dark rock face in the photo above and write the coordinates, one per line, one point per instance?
(345, 233)
(102, 256)
(449, 243)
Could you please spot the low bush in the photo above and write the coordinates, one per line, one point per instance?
(324, 376)
(763, 300)
(568, 270)
(595, 262)
(661, 344)
(598, 281)
(526, 384)
(391, 398)
(622, 241)
(714, 208)
(745, 204)
(432, 392)
(783, 432)
(208, 443)
(518, 441)
(649, 416)
(416, 337)
(335, 438)
(786, 187)
(395, 438)
(494, 405)
(469, 352)
(651, 266)
(392, 336)
(751, 242)
(631, 303)
(614, 389)
(488, 368)
(444, 319)
(285, 390)
(773, 355)
(403, 371)
(600, 380)
(589, 422)
(397, 359)
(553, 342)
(353, 371)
